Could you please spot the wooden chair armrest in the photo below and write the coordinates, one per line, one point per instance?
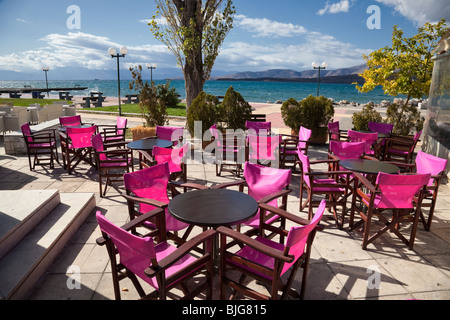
(284, 214)
(188, 185)
(151, 202)
(134, 223)
(242, 238)
(366, 182)
(181, 252)
(230, 184)
(274, 196)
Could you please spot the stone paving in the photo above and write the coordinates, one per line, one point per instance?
(339, 270)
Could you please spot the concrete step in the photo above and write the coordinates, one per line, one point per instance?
(20, 212)
(23, 266)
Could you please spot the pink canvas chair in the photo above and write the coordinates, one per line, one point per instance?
(71, 121)
(427, 163)
(290, 145)
(370, 139)
(391, 193)
(336, 186)
(148, 189)
(267, 261)
(174, 134)
(341, 150)
(265, 185)
(76, 145)
(229, 151)
(264, 150)
(335, 133)
(401, 148)
(380, 127)
(258, 128)
(110, 163)
(114, 133)
(41, 145)
(162, 265)
(175, 158)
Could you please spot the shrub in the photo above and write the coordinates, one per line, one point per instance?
(405, 119)
(167, 94)
(204, 108)
(316, 112)
(367, 114)
(153, 108)
(234, 110)
(291, 114)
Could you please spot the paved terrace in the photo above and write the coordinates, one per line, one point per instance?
(339, 268)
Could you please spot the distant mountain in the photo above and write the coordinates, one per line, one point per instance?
(291, 74)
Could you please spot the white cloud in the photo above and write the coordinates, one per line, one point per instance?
(342, 6)
(419, 11)
(78, 50)
(268, 28)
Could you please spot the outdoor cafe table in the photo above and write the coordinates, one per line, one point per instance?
(147, 145)
(212, 208)
(371, 167)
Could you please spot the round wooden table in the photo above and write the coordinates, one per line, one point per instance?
(213, 208)
(148, 145)
(368, 166)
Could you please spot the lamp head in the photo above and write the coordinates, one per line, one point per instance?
(314, 65)
(123, 50)
(112, 51)
(324, 65)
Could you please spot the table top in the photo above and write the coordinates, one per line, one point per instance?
(368, 166)
(381, 135)
(148, 144)
(64, 129)
(213, 207)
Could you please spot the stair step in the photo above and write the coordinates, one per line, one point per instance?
(23, 266)
(21, 211)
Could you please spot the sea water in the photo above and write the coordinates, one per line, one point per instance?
(252, 91)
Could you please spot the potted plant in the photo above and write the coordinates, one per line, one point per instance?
(367, 114)
(234, 110)
(313, 113)
(151, 104)
(204, 109)
(291, 114)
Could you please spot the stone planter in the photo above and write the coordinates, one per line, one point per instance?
(319, 135)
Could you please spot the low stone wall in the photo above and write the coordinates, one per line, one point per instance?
(14, 142)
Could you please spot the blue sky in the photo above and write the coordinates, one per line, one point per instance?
(267, 34)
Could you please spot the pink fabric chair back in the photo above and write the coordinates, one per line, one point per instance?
(121, 124)
(381, 127)
(215, 133)
(263, 181)
(135, 252)
(70, 121)
(174, 157)
(334, 128)
(298, 236)
(257, 127)
(264, 147)
(397, 191)
(304, 159)
(151, 183)
(81, 137)
(26, 131)
(170, 133)
(347, 150)
(368, 138)
(427, 163)
(416, 139)
(97, 143)
(303, 135)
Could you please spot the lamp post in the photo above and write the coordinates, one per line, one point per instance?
(316, 66)
(113, 53)
(151, 67)
(46, 69)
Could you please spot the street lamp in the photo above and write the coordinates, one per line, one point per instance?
(113, 53)
(151, 67)
(316, 66)
(46, 69)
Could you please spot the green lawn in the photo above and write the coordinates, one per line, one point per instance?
(179, 110)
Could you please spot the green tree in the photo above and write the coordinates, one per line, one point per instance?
(193, 31)
(406, 67)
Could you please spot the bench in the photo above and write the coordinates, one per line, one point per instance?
(15, 95)
(37, 95)
(96, 101)
(64, 95)
(131, 99)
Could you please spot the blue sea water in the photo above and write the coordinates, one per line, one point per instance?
(252, 91)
